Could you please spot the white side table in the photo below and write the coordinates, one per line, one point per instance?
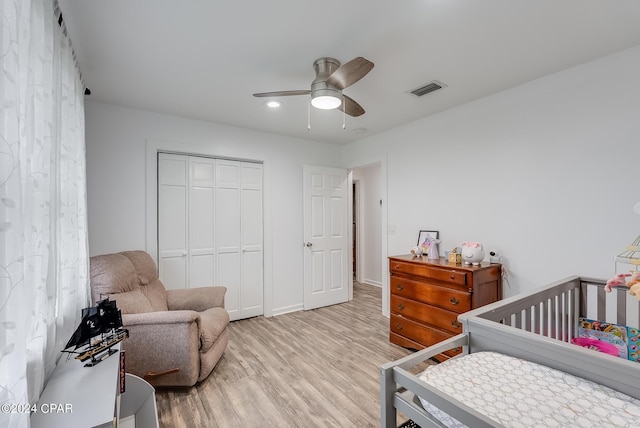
(78, 396)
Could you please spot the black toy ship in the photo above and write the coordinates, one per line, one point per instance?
(99, 330)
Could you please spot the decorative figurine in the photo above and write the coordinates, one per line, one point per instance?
(472, 253)
(432, 253)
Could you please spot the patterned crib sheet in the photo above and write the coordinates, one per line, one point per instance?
(518, 393)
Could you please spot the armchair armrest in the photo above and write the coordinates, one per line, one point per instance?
(163, 342)
(196, 299)
(160, 317)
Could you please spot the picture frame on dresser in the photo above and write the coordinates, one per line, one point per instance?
(422, 235)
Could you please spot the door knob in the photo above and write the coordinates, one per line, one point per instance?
(308, 244)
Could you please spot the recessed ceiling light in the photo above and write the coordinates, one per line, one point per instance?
(273, 104)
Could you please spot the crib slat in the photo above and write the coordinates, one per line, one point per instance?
(584, 299)
(527, 319)
(621, 307)
(602, 304)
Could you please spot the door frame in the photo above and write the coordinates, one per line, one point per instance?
(355, 204)
(384, 239)
(153, 146)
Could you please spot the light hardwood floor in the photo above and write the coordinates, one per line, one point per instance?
(315, 368)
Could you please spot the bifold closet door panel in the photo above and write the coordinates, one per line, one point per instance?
(172, 219)
(251, 301)
(228, 229)
(201, 266)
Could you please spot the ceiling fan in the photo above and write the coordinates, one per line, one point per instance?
(331, 79)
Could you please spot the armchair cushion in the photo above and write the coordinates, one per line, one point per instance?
(148, 280)
(111, 273)
(196, 299)
(131, 302)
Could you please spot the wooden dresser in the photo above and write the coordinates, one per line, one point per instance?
(427, 296)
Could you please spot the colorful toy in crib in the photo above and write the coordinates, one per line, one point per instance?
(598, 326)
(617, 281)
(620, 280)
(634, 346)
(634, 284)
(596, 345)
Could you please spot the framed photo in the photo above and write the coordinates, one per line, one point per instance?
(424, 234)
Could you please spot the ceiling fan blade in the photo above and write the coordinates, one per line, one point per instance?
(350, 107)
(282, 93)
(350, 73)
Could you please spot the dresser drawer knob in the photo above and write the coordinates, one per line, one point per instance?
(454, 301)
(452, 276)
(397, 267)
(399, 326)
(400, 306)
(399, 287)
(455, 324)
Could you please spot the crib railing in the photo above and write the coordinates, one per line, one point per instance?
(553, 311)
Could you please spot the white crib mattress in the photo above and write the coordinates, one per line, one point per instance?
(518, 393)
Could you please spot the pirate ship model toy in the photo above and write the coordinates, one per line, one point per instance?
(100, 329)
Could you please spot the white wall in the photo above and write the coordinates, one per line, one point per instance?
(116, 168)
(369, 256)
(546, 172)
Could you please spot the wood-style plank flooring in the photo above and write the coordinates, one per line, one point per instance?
(315, 368)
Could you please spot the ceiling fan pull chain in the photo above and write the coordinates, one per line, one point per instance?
(309, 114)
(344, 114)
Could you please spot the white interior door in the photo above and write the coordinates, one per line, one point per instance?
(172, 219)
(326, 237)
(251, 294)
(201, 260)
(228, 228)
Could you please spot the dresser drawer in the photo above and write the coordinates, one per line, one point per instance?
(443, 297)
(427, 314)
(447, 275)
(419, 333)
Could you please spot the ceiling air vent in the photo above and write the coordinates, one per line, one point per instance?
(434, 85)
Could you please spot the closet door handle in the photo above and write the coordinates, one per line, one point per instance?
(454, 301)
(308, 244)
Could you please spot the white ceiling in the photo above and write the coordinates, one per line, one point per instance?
(204, 59)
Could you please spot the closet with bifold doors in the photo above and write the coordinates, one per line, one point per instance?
(210, 228)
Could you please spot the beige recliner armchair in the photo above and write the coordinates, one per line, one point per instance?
(176, 337)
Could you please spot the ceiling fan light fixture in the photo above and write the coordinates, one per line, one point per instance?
(326, 99)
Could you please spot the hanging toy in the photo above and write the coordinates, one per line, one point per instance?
(617, 281)
(634, 284)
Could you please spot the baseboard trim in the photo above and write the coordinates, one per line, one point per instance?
(371, 282)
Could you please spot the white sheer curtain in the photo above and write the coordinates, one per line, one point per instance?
(43, 232)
